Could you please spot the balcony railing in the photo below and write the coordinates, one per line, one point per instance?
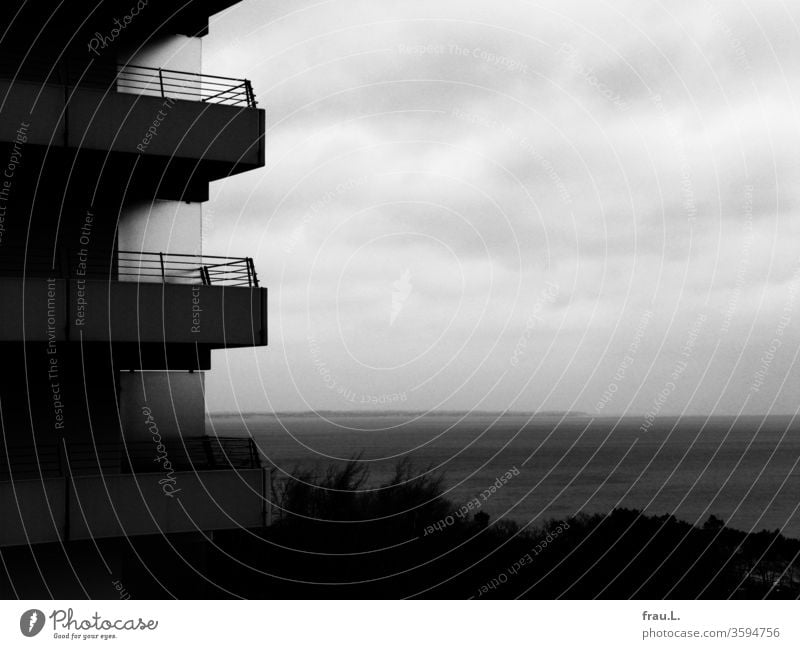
(84, 458)
(176, 84)
(207, 270)
(173, 84)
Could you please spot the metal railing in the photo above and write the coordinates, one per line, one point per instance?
(190, 453)
(162, 82)
(85, 458)
(208, 270)
(176, 84)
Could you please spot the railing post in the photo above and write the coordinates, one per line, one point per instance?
(255, 460)
(252, 278)
(163, 274)
(248, 89)
(161, 83)
(211, 461)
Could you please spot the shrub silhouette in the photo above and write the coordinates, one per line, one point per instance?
(327, 505)
(342, 537)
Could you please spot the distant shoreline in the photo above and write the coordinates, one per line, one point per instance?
(393, 413)
(549, 414)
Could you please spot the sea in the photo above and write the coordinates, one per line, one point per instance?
(743, 470)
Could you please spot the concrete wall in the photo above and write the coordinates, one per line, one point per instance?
(127, 312)
(54, 391)
(42, 310)
(171, 51)
(212, 500)
(176, 399)
(159, 226)
(129, 505)
(176, 403)
(187, 129)
(33, 511)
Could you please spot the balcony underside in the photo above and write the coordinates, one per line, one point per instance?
(136, 313)
(71, 24)
(192, 140)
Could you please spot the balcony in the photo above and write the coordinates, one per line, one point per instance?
(175, 84)
(129, 265)
(211, 123)
(133, 297)
(111, 490)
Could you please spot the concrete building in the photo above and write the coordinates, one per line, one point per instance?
(109, 137)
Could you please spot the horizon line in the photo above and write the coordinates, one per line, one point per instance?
(551, 413)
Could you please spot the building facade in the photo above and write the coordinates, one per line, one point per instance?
(109, 137)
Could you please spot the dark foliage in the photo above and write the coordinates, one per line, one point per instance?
(339, 537)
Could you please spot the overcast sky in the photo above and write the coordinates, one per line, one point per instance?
(517, 205)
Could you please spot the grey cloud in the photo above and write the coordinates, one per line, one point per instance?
(638, 156)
